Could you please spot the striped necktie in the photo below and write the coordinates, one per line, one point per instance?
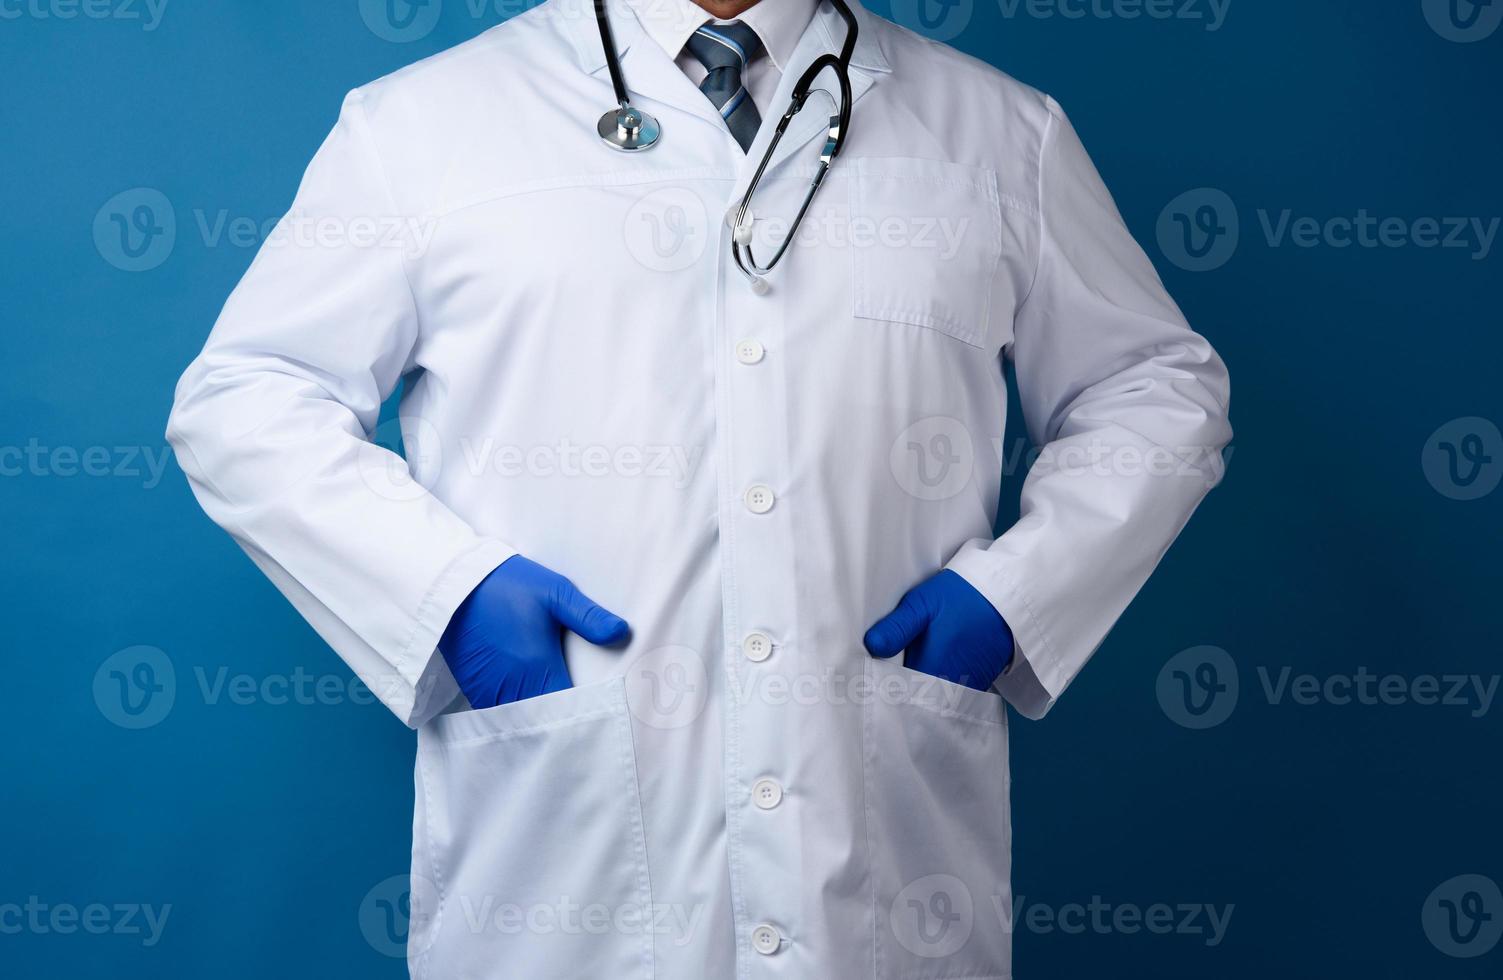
(725, 50)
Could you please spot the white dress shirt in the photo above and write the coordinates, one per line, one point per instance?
(779, 23)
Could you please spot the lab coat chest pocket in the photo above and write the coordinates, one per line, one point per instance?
(926, 242)
(529, 842)
(938, 828)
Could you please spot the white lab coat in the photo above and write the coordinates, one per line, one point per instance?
(751, 481)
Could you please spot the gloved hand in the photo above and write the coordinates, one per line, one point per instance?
(949, 630)
(505, 642)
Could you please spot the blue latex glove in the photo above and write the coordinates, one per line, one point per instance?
(505, 642)
(949, 630)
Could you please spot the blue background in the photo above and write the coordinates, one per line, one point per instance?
(266, 826)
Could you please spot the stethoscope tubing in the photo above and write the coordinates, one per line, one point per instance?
(612, 58)
(839, 128)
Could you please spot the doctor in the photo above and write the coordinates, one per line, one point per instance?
(688, 579)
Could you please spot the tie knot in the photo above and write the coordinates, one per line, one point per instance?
(732, 45)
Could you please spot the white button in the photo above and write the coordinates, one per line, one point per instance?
(766, 793)
(730, 215)
(765, 940)
(757, 646)
(759, 499)
(749, 352)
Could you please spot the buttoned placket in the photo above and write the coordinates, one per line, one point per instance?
(757, 508)
(763, 659)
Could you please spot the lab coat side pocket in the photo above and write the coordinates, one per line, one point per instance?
(938, 826)
(925, 245)
(528, 837)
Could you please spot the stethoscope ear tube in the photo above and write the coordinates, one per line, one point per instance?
(805, 84)
(741, 237)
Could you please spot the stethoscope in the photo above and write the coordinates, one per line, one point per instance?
(628, 128)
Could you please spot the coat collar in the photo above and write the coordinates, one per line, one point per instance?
(778, 23)
(578, 17)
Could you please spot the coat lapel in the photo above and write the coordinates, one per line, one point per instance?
(651, 75)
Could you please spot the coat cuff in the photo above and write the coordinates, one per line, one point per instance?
(423, 686)
(1033, 679)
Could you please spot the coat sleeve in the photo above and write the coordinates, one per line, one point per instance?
(1129, 406)
(271, 425)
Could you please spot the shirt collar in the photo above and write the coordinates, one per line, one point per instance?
(578, 20)
(779, 23)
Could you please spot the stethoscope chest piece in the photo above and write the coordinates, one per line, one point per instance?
(628, 128)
